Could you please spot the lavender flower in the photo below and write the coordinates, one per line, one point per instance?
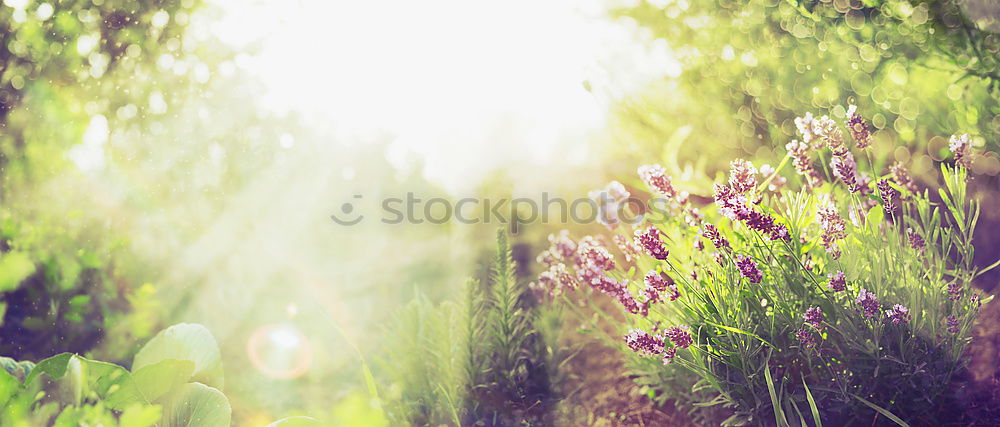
(591, 254)
(962, 147)
(742, 176)
(649, 240)
(628, 248)
(800, 159)
(656, 179)
(657, 283)
(698, 245)
(858, 128)
(748, 268)
(952, 324)
(837, 282)
(898, 314)
(643, 343)
(868, 302)
(833, 228)
(831, 135)
(556, 279)
(669, 355)
(733, 205)
(902, 177)
(916, 242)
(806, 337)
(711, 233)
(814, 317)
(562, 244)
(630, 304)
(845, 168)
(954, 291)
(808, 127)
(679, 336)
(887, 193)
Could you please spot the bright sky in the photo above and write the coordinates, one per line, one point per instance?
(468, 86)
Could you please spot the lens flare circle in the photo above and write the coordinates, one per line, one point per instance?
(280, 351)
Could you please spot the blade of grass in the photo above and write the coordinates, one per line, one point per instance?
(739, 331)
(882, 411)
(779, 415)
(812, 405)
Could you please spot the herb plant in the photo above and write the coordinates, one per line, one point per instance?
(828, 296)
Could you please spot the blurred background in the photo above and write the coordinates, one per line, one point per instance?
(178, 161)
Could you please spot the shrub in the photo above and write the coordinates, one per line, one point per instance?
(837, 297)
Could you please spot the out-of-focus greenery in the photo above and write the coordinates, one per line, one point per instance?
(175, 380)
(477, 360)
(748, 68)
(63, 64)
(67, 43)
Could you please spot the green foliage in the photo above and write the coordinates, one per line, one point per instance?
(478, 358)
(747, 68)
(75, 41)
(163, 388)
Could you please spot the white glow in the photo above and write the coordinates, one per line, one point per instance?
(466, 86)
(284, 338)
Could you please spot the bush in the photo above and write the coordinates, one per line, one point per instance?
(836, 297)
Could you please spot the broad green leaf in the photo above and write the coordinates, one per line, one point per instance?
(54, 367)
(161, 377)
(185, 341)
(140, 416)
(295, 422)
(9, 385)
(14, 268)
(109, 381)
(196, 405)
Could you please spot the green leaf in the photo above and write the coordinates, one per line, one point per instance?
(812, 405)
(779, 415)
(739, 331)
(882, 411)
(161, 377)
(109, 381)
(54, 367)
(295, 422)
(196, 405)
(9, 385)
(140, 416)
(14, 268)
(185, 341)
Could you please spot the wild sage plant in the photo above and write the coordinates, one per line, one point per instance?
(845, 299)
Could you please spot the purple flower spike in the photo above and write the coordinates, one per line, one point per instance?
(643, 343)
(898, 314)
(649, 240)
(868, 302)
(679, 336)
(952, 324)
(837, 282)
(748, 268)
(814, 317)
